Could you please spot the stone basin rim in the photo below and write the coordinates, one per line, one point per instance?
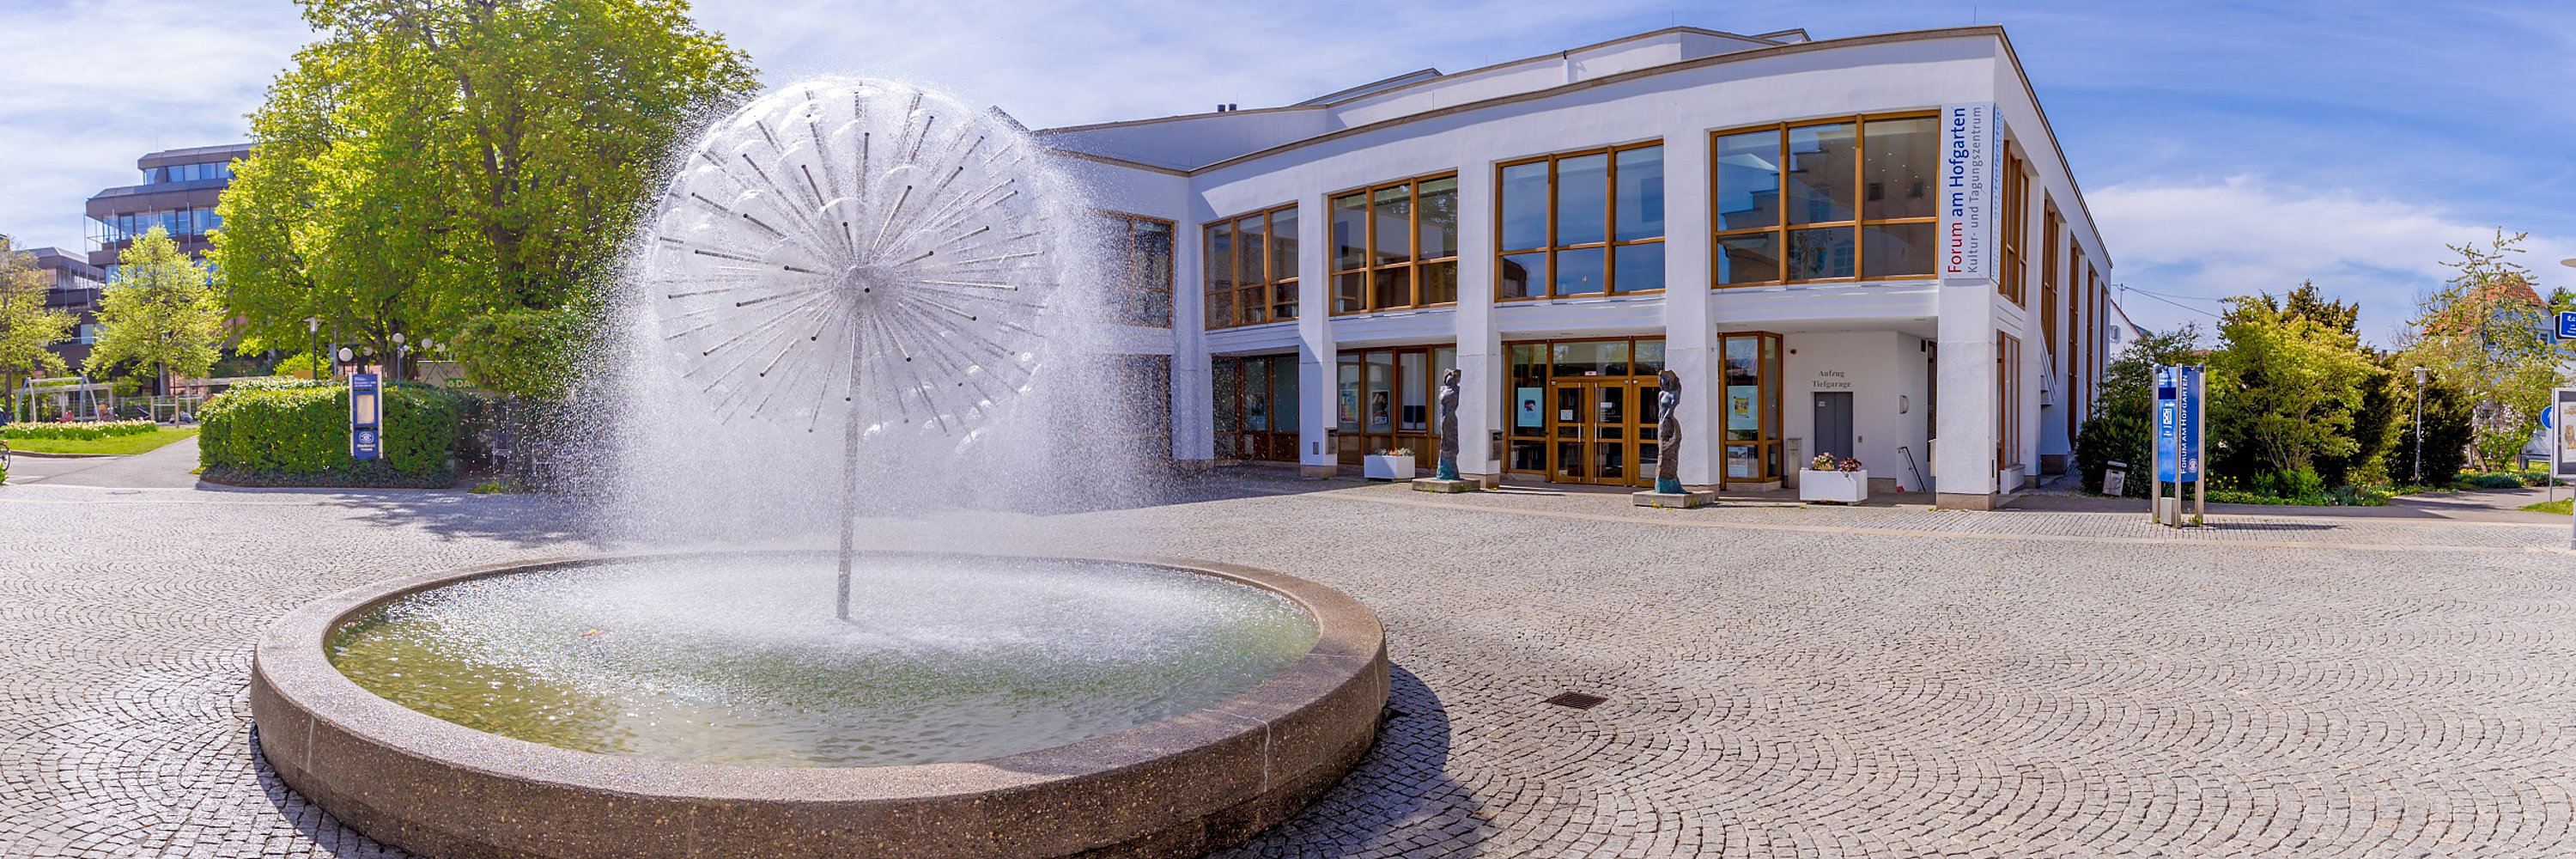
(291, 668)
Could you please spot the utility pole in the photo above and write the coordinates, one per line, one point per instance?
(2420, 375)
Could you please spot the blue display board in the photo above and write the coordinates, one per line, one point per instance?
(2567, 326)
(366, 417)
(2178, 442)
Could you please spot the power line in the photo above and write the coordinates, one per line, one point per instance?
(2126, 289)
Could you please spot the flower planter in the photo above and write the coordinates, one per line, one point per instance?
(1378, 467)
(1848, 487)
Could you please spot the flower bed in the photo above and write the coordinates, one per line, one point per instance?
(74, 431)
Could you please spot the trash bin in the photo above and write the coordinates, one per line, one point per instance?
(2114, 478)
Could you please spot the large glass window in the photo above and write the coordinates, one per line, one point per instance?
(1396, 246)
(1843, 199)
(2052, 231)
(2016, 223)
(1750, 413)
(1387, 400)
(1582, 411)
(1252, 268)
(1256, 407)
(1140, 276)
(2007, 401)
(1582, 223)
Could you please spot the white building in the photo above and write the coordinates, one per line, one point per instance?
(1867, 246)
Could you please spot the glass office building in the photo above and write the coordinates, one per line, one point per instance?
(179, 191)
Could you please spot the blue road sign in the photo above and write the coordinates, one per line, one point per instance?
(2549, 418)
(366, 418)
(2567, 326)
(2178, 404)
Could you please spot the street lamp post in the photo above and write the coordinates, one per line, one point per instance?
(313, 326)
(401, 351)
(2420, 375)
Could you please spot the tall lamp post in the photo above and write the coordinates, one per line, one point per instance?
(313, 326)
(2420, 375)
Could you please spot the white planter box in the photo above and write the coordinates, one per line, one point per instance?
(1387, 467)
(1849, 487)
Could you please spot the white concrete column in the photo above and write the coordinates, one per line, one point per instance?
(1483, 368)
(1315, 351)
(1193, 389)
(1963, 469)
(1690, 337)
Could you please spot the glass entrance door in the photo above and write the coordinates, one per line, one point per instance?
(1595, 433)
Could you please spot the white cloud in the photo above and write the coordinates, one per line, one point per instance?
(2245, 235)
(87, 86)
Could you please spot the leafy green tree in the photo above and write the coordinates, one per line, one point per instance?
(2284, 387)
(2117, 429)
(158, 312)
(2482, 333)
(452, 169)
(26, 326)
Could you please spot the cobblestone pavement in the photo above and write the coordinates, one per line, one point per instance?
(1781, 681)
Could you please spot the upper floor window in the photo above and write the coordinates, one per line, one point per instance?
(187, 172)
(1396, 246)
(1840, 199)
(1140, 287)
(1582, 223)
(1252, 268)
(2016, 222)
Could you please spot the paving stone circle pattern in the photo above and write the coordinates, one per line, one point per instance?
(1779, 681)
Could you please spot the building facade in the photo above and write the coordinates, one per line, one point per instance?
(1866, 247)
(73, 285)
(179, 192)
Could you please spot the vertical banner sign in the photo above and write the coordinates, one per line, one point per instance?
(1968, 192)
(2178, 402)
(366, 417)
(2565, 432)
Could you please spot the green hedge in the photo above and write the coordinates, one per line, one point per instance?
(297, 433)
(76, 431)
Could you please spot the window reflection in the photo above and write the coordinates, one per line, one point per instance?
(1600, 223)
(1833, 200)
(1378, 264)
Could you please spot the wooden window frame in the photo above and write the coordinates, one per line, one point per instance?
(1241, 443)
(2007, 401)
(1125, 288)
(1358, 440)
(1640, 406)
(1609, 222)
(2012, 281)
(2051, 232)
(1369, 267)
(1273, 308)
(1779, 228)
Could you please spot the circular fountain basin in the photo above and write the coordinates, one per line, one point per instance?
(710, 704)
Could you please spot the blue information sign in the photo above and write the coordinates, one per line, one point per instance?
(2567, 326)
(366, 417)
(2178, 404)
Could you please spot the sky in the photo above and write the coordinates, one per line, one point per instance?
(2224, 148)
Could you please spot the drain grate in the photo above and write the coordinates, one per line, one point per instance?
(1576, 700)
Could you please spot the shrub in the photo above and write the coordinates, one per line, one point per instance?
(297, 432)
(76, 431)
(2492, 481)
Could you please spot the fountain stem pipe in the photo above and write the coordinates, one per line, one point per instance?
(850, 490)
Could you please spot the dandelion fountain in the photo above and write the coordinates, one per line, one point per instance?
(880, 265)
